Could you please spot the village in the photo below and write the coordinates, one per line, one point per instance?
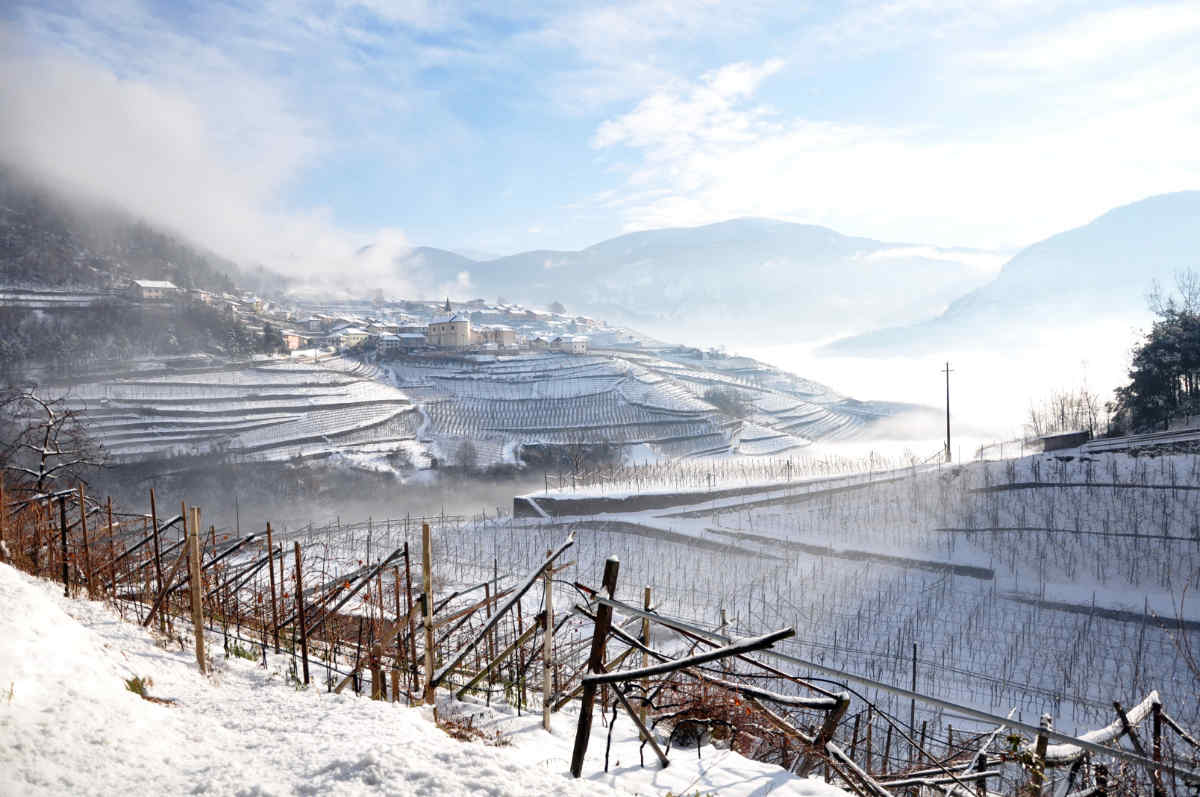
(408, 327)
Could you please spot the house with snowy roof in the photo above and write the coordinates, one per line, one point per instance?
(576, 344)
(152, 290)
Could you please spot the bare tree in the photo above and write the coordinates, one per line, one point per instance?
(43, 443)
(1065, 411)
(1186, 298)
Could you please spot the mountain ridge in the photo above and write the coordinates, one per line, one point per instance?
(687, 278)
(1103, 268)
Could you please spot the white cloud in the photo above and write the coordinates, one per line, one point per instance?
(702, 154)
(178, 162)
(1099, 38)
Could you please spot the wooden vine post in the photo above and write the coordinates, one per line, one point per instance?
(1037, 777)
(62, 526)
(645, 656)
(112, 553)
(412, 620)
(378, 687)
(300, 613)
(194, 578)
(274, 604)
(396, 666)
(158, 573)
(1156, 711)
(83, 530)
(427, 609)
(583, 731)
(548, 646)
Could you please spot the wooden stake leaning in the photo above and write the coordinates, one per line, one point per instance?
(158, 573)
(300, 612)
(583, 730)
(274, 602)
(480, 635)
(83, 530)
(194, 577)
(162, 594)
(427, 594)
(502, 655)
(548, 648)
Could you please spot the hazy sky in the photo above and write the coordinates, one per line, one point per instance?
(292, 131)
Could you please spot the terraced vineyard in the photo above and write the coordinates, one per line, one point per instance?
(650, 405)
(267, 410)
(626, 399)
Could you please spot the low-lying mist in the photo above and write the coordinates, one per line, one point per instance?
(248, 495)
(991, 390)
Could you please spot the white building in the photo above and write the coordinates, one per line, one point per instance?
(349, 337)
(152, 290)
(570, 345)
(452, 331)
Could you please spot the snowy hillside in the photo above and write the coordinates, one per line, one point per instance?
(266, 410)
(636, 402)
(70, 726)
(1103, 269)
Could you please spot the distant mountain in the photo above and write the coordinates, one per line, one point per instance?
(1101, 270)
(435, 261)
(761, 278)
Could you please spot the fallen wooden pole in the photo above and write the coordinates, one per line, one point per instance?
(740, 646)
(966, 777)
(817, 703)
(872, 785)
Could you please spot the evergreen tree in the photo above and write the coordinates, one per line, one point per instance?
(1164, 375)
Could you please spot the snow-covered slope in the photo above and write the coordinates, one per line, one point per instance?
(1103, 269)
(69, 726)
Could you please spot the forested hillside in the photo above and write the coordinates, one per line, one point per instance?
(47, 239)
(58, 247)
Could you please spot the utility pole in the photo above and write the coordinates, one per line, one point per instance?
(948, 372)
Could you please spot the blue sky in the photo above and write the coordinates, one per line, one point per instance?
(292, 132)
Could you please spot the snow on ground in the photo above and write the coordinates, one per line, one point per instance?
(68, 725)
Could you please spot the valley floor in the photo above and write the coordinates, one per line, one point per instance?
(68, 725)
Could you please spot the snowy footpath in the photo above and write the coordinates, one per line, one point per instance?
(69, 725)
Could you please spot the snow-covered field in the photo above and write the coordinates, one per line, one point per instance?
(69, 726)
